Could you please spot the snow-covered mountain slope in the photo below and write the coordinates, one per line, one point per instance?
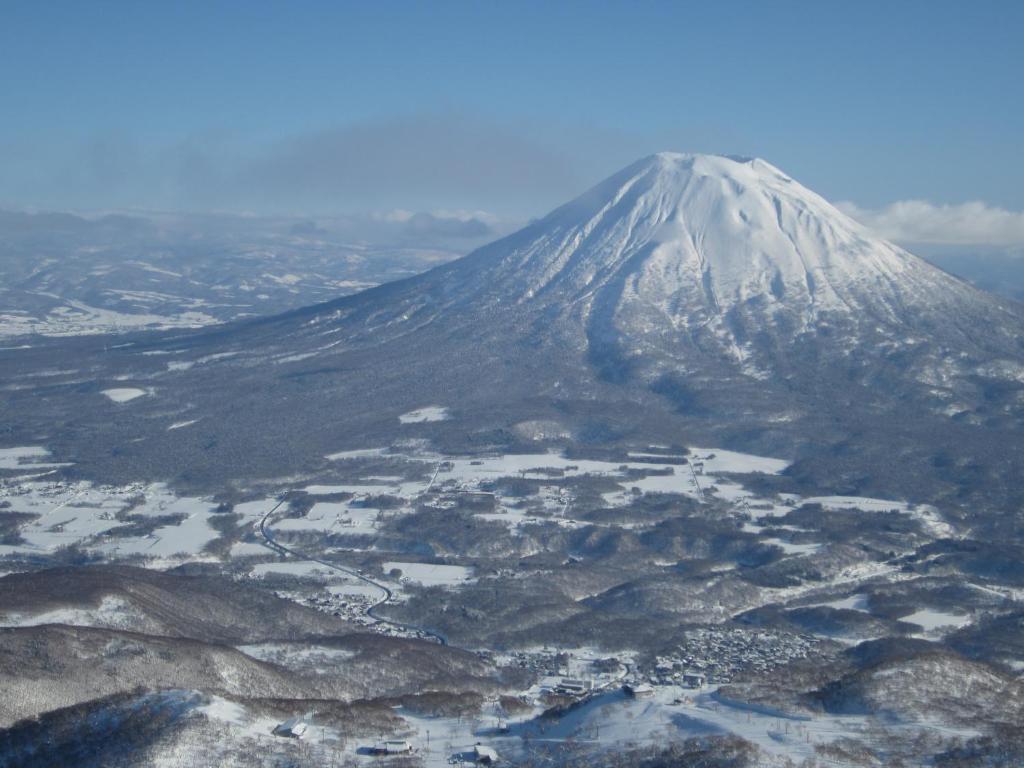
(687, 297)
(689, 231)
(681, 257)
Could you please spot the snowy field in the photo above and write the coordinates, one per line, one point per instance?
(63, 514)
(428, 575)
(28, 458)
(335, 517)
(701, 474)
(125, 394)
(308, 569)
(937, 623)
(926, 513)
(334, 581)
(80, 513)
(430, 413)
(76, 318)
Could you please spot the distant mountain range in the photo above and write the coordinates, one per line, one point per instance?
(65, 275)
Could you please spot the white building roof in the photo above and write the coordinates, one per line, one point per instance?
(295, 726)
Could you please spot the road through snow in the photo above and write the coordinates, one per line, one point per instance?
(268, 536)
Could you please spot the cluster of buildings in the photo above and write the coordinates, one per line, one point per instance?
(297, 727)
(715, 655)
(478, 754)
(543, 663)
(353, 608)
(565, 672)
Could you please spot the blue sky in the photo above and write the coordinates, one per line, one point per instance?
(308, 107)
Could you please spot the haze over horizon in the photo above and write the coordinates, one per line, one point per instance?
(330, 109)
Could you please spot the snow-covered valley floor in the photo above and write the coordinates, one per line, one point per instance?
(151, 525)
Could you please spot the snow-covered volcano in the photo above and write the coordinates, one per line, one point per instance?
(680, 259)
(686, 297)
(709, 231)
(700, 268)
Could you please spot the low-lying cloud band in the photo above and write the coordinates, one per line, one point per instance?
(918, 221)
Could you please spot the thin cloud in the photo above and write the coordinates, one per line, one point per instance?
(416, 161)
(918, 221)
(420, 161)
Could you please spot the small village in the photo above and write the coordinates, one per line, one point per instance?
(353, 608)
(719, 654)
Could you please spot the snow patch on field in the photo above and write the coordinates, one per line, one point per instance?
(362, 453)
(470, 473)
(429, 413)
(302, 568)
(927, 514)
(329, 490)
(296, 358)
(27, 457)
(64, 514)
(333, 581)
(428, 575)
(236, 715)
(337, 517)
(189, 537)
(791, 548)
(674, 476)
(857, 502)
(856, 602)
(76, 318)
(222, 709)
(718, 460)
(249, 549)
(935, 622)
(112, 612)
(124, 394)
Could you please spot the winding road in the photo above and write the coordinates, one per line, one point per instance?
(281, 549)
